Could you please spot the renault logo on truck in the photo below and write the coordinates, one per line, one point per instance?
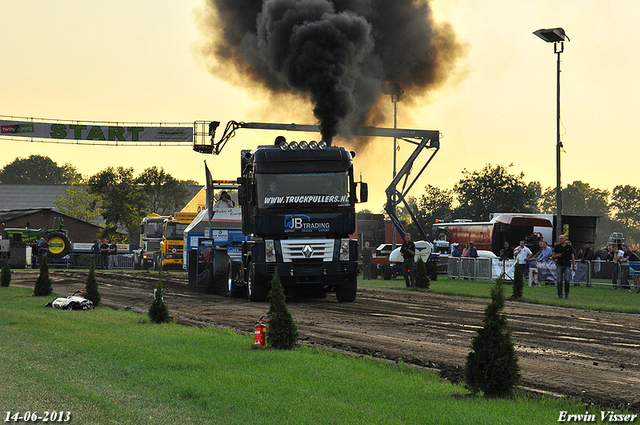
(307, 251)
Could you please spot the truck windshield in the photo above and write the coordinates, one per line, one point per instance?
(275, 190)
(175, 230)
(153, 229)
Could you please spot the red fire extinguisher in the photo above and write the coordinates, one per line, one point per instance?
(260, 334)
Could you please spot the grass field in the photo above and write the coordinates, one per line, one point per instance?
(599, 297)
(108, 367)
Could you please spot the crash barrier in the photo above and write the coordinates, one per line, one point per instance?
(493, 268)
(83, 261)
(544, 272)
(123, 261)
(504, 268)
(616, 273)
(469, 268)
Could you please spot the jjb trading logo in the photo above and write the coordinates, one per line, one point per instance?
(293, 222)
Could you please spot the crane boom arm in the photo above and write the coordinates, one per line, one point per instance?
(215, 147)
(424, 139)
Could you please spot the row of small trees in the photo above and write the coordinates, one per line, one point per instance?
(491, 367)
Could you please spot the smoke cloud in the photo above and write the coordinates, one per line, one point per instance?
(336, 53)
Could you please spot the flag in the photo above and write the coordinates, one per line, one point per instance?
(209, 191)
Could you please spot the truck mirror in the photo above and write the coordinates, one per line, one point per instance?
(364, 192)
(242, 197)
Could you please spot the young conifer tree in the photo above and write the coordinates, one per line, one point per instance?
(282, 333)
(5, 276)
(43, 283)
(422, 277)
(159, 312)
(518, 283)
(492, 366)
(91, 287)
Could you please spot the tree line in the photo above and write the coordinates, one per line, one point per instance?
(121, 198)
(493, 189)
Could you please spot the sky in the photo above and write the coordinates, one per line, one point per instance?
(139, 61)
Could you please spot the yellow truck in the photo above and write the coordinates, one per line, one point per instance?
(172, 243)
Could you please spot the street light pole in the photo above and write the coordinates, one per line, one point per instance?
(558, 48)
(557, 37)
(395, 91)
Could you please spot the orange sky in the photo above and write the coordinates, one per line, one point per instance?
(136, 61)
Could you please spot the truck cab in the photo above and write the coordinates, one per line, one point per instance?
(172, 243)
(298, 205)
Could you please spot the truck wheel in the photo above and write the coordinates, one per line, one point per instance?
(192, 271)
(221, 273)
(432, 269)
(386, 271)
(256, 291)
(347, 293)
(235, 289)
(59, 244)
(225, 286)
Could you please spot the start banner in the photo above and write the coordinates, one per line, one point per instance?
(97, 133)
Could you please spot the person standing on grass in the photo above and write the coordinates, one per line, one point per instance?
(95, 248)
(616, 255)
(408, 251)
(624, 266)
(565, 258)
(104, 254)
(367, 261)
(113, 255)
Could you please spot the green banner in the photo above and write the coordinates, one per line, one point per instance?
(98, 133)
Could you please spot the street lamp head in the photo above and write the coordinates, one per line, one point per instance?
(552, 35)
(393, 89)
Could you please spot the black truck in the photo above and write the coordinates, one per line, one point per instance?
(298, 212)
(298, 205)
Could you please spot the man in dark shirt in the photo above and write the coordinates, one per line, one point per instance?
(113, 255)
(624, 266)
(506, 252)
(565, 258)
(104, 254)
(95, 248)
(586, 253)
(43, 249)
(408, 251)
(473, 251)
(367, 261)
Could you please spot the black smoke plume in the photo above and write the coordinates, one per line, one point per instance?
(337, 53)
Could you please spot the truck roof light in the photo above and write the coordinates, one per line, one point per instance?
(313, 145)
(283, 145)
(304, 145)
(293, 146)
(322, 145)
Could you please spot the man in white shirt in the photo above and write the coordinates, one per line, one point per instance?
(522, 253)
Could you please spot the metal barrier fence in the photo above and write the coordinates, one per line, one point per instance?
(545, 272)
(123, 261)
(469, 268)
(83, 261)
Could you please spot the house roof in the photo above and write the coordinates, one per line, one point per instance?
(6, 215)
(30, 196)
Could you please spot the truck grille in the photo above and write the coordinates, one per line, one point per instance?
(307, 249)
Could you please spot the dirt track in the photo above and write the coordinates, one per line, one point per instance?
(588, 355)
